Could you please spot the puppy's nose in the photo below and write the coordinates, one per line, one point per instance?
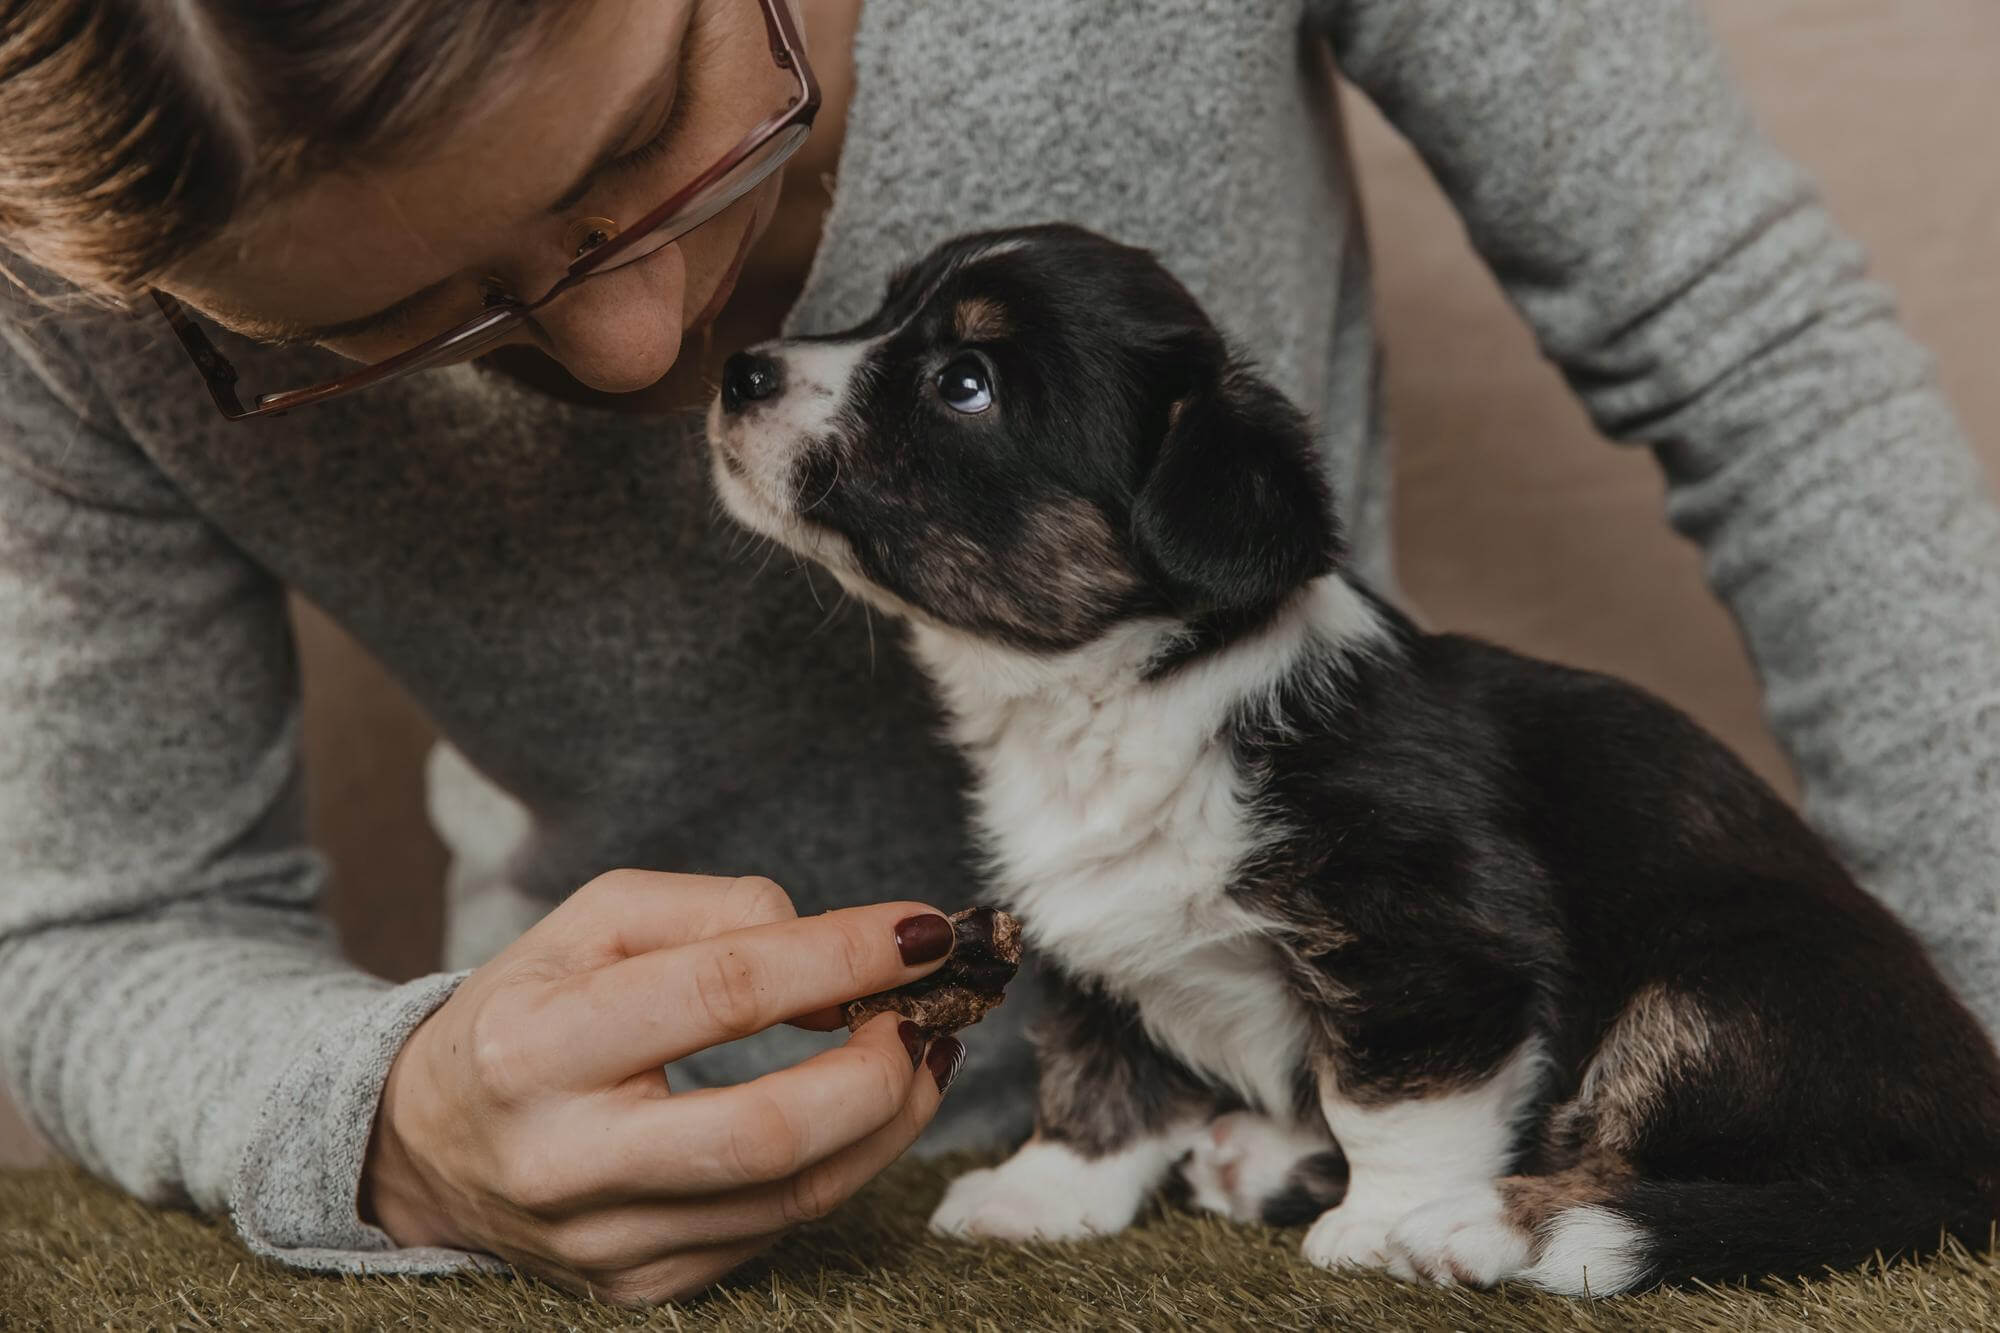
(749, 378)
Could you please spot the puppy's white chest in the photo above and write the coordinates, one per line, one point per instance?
(1121, 875)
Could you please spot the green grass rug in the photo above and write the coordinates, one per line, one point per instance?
(76, 1255)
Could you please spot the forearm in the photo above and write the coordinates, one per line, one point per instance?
(223, 1058)
(1860, 553)
(1699, 300)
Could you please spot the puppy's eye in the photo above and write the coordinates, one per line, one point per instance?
(965, 386)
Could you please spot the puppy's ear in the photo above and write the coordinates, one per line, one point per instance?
(1234, 513)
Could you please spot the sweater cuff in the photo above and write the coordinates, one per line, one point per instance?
(296, 1196)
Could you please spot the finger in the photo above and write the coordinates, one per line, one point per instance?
(818, 1190)
(821, 1020)
(682, 1275)
(673, 1277)
(625, 913)
(644, 1012)
(714, 1140)
(630, 1234)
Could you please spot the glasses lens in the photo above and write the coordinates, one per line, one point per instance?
(753, 171)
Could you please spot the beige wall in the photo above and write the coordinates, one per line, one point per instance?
(1514, 521)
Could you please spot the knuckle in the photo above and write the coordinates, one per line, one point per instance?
(808, 1197)
(674, 1278)
(762, 1143)
(607, 887)
(755, 900)
(729, 993)
(891, 1075)
(590, 1247)
(626, 1289)
(682, 1277)
(495, 1052)
(532, 1184)
(860, 954)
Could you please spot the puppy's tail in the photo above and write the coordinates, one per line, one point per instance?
(1657, 1231)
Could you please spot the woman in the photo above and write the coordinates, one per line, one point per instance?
(526, 542)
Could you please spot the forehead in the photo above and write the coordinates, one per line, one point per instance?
(968, 272)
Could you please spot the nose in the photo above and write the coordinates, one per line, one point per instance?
(749, 378)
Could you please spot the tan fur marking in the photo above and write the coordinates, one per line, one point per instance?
(979, 319)
(1531, 1202)
(1658, 1035)
(1066, 570)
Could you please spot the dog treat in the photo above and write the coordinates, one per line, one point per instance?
(985, 954)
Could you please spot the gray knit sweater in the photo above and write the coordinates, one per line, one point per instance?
(551, 582)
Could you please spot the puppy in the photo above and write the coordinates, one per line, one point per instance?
(1580, 1001)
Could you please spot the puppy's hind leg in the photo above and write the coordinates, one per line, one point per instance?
(1554, 1232)
(1113, 1114)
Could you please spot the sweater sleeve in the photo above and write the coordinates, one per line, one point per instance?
(177, 1016)
(1686, 280)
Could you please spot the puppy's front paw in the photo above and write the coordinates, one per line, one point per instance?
(1044, 1192)
(1252, 1168)
(1462, 1238)
(1354, 1235)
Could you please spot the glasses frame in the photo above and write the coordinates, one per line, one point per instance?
(787, 48)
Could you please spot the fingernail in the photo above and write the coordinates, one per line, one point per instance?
(913, 1041)
(923, 939)
(947, 1054)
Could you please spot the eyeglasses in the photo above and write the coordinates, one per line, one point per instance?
(598, 246)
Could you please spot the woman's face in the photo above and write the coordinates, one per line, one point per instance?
(621, 108)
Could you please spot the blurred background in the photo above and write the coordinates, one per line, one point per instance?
(1515, 521)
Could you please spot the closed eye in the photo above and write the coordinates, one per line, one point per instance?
(659, 145)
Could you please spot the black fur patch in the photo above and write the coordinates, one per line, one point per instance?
(1313, 1185)
(1103, 1081)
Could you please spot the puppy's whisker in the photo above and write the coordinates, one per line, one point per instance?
(805, 567)
(832, 614)
(830, 485)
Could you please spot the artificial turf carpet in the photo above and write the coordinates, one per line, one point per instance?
(77, 1255)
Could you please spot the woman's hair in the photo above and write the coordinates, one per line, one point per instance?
(132, 131)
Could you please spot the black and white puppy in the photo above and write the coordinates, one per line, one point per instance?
(1580, 1000)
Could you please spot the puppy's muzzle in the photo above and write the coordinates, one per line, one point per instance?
(748, 377)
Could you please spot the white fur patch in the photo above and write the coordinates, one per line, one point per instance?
(1048, 1191)
(483, 828)
(1589, 1251)
(764, 444)
(1241, 1159)
(1402, 1155)
(1117, 819)
(1462, 1238)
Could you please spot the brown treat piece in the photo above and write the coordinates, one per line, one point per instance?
(985, 954)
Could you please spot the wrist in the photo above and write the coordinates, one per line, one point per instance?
(396, 1193)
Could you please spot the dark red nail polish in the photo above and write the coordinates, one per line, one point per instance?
(923, 939)
(947, 1054)
(913, 1041)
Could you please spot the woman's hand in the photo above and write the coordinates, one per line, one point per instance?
(529, 1118)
